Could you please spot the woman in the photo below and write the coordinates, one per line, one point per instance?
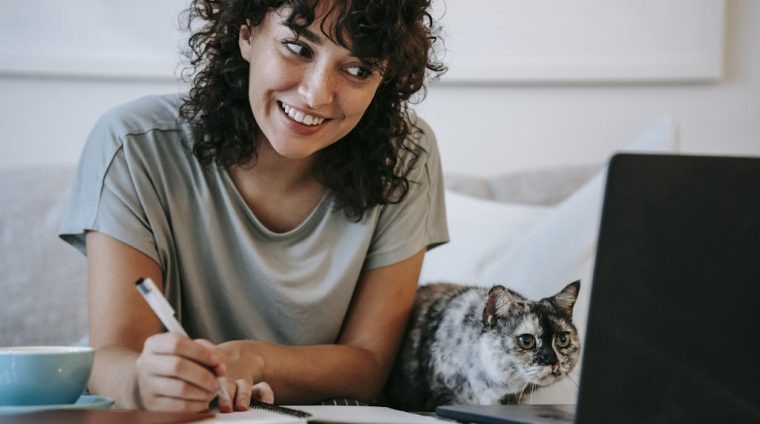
(283, 207)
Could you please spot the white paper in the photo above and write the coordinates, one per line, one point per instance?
(328, 414)
(364, 415)
(254, 416)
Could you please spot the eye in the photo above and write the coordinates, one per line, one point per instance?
(359, 72)
(563, 340)
(526, 341)
(298, 48)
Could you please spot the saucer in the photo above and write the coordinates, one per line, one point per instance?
(84, 401)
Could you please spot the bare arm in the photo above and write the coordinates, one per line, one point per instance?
(357, 366)
(135, 365)
(121, 322)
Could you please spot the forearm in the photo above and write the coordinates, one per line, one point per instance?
(310, 374)
(358, 365)
(114, 376)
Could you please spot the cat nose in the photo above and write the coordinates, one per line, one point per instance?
(547, 357)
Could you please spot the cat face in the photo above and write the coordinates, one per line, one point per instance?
(535, 341)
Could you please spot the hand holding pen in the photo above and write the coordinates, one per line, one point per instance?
(165, 314)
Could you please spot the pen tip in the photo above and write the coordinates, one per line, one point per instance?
(139, 281)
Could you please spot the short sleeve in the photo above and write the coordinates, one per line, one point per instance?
(105, 195)
(419, 220)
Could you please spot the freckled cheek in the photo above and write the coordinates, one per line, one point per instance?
(358, 106)
(273, 77)
(287, 77)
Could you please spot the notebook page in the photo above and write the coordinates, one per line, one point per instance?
(364, 415)
(254, 416)
(328, 414)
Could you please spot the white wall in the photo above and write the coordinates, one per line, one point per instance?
(492, 129)
(482, 129)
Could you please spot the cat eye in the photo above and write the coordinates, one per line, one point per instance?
(526, 341)
(563, 340)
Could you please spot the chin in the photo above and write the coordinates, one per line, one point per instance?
(290, 151)
(547, 379)
(295, 155)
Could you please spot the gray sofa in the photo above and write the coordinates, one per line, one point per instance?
(42, 279)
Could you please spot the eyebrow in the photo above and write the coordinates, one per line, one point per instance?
(309, 35)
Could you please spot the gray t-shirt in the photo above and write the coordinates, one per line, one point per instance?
(226, 274)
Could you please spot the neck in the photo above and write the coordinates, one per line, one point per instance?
(277, 173)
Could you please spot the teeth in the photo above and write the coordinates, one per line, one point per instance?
(301, 117)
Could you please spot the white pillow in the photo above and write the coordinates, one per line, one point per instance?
(561, 248)
(480, 231)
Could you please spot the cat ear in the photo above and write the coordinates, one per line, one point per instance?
(499, 302)
(565, 299)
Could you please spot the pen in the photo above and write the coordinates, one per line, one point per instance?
(165, 313)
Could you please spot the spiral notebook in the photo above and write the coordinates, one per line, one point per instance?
(302, 414)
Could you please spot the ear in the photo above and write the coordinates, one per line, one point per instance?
(500, 301)
(565, 299)
(245, 38)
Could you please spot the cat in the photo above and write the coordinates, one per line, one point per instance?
(472, 345)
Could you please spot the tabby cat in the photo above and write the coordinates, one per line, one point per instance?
(472, 345)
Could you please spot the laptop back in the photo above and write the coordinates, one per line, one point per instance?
(674, 323)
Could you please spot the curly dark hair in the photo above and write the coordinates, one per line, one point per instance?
(364, 168)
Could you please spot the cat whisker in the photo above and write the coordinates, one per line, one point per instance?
(572, 381)
(570, 392)
(519, 398)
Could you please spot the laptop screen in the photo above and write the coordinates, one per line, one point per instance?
(674, 322)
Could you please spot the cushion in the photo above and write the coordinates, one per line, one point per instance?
(545, 186)
(479, 231)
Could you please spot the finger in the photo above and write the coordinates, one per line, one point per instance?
(180, 368)
(223, 354)
(179, 389)
(175, 344)
(225, 405)
(220, 370)
(243, 395)
(262, 391)
(169, 404)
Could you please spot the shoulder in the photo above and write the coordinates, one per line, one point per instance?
(421, 157)
(139, 125)
(422, 136)
(140, 136)
(141, 115)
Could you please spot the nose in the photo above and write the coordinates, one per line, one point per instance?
(546, 356)
(317, 86)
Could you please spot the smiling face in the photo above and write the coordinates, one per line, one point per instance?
(306, 92)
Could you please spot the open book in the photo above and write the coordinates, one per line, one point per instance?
(327, 414)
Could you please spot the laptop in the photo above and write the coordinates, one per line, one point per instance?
(673, 332)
